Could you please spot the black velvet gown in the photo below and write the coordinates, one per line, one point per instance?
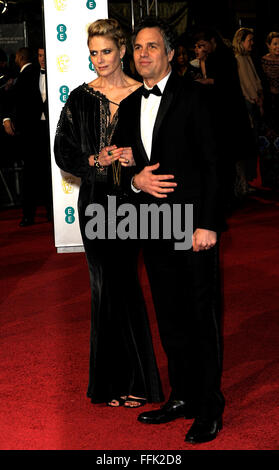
(122, 359)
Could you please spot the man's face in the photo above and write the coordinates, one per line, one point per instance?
(41, 58)
(151, 59)
(17, 59)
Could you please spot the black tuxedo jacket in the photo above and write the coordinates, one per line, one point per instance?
(23, 102)
(184, 143)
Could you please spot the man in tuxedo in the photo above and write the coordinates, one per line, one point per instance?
(43, 138)
(169, 130)
(23, 110)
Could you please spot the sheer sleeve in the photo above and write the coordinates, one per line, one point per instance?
(71, 154)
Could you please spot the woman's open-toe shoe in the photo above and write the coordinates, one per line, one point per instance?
(116, 402)
(134, 402)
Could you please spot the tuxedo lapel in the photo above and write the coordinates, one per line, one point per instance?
(167, 98)
(137, 111)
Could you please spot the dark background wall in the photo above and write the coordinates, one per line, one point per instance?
(225, 15)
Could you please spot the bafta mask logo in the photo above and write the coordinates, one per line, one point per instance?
(91, 4)
(63, 63)
(68, 185)
(61, 32)
(64, 93)
(70, 218)
(60, 5)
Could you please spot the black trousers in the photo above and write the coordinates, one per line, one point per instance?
(36, 187)
(186, 292)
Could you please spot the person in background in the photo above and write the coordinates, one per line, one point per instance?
(181, 63)
(5, 77)
(43, 137)
(253, 93)
(269, 159)
(220, 77)
(122, 369)
(22, 111)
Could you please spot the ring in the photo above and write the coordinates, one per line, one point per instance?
(110, 153)
(126, 161)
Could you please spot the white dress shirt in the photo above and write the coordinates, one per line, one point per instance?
(42, 86)
(148, 113)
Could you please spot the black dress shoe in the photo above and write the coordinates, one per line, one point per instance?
(203, 430)
(173, 409)
(26, 221)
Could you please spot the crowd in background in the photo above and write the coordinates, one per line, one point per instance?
(243, 91)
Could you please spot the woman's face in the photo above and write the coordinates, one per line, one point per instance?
(105, 55)
(274, 46)
(202, 49)
(248, 43)
(182, 57)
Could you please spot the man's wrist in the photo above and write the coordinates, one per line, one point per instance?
(134, 186)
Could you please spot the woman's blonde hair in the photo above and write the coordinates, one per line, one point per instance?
(109, 28)
(270, 36)
(239, 37)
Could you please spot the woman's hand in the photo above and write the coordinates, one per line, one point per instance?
(205, 81)
(107, 156)
(127, 158)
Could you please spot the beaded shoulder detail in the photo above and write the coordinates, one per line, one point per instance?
(107, 125)
(97, 93)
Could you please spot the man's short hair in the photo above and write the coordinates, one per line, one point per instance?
(166, 31)
(25, 53)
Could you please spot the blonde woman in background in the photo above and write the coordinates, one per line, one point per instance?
(253, 93)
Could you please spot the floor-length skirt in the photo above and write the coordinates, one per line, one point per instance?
(122, 359)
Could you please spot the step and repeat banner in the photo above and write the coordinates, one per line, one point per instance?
(68, 65)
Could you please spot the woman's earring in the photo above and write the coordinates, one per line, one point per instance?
(122, 65)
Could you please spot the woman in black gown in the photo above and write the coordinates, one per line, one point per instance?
(123, 369)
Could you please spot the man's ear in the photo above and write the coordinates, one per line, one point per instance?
(170, 55)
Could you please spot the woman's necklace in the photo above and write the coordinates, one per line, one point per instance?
(116, 172)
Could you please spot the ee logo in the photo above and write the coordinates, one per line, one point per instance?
(70, 218)
(61, 30)
(91, 66)
(91, 4)
(64, 93)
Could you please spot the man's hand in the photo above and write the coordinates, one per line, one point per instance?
(204, 239)
(156, 185)
(9, 127)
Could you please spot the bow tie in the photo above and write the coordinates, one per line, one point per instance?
(43, 72)
(155, 90)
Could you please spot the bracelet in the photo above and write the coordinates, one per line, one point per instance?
(97, 163)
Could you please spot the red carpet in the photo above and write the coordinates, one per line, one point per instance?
(45, 344)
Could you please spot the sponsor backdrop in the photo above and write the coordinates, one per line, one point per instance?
(68, 65)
